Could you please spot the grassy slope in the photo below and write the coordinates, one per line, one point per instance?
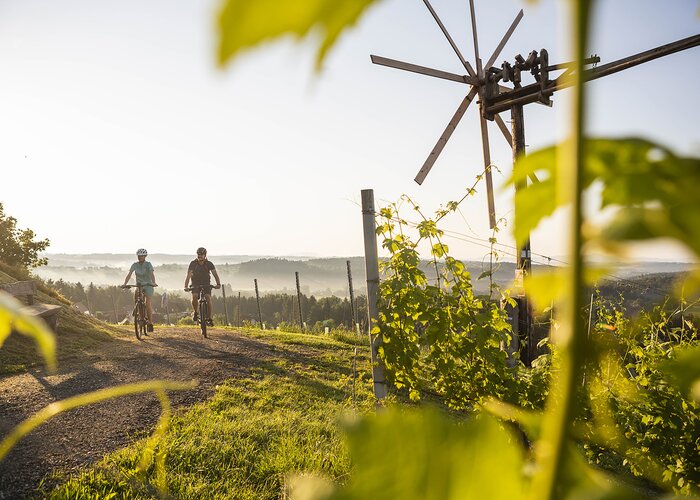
(254, 432)
(75, 331)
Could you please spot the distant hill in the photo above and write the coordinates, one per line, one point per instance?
(324, 276)
(644, 292)
(318, 276)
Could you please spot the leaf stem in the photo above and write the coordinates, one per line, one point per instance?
(572, 339)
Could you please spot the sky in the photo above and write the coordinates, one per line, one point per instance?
(119, 131)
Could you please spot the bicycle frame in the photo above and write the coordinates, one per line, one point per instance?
(139, 312)
(202, 306)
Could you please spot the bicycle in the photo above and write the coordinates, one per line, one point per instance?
(139, 313)
(203, 305)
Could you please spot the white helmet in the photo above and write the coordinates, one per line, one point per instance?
(141, 252)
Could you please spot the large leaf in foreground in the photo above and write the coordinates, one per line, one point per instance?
(423, 454)
(246, 23)
(654, 189)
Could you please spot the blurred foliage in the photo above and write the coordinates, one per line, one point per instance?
(246, 23)
(651, 189)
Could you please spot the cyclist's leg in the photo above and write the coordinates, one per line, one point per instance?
(195, 305)
(209, 305)
(149, 309)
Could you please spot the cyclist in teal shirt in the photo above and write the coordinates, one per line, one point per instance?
(144, 276)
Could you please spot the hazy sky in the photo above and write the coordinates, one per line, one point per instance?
(119, 131)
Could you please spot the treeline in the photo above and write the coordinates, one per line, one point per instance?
(115, 304)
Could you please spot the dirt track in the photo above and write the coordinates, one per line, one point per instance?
(84, 435)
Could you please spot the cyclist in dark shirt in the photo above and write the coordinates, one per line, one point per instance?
(198, 272)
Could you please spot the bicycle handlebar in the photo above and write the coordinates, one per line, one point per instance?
(138, 286)
(199, 287)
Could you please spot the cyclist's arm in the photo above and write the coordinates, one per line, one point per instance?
(128, 276)
(216, 277)
(188, 278)
(153, 277)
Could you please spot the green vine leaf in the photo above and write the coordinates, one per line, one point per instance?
(653, 189)
(244, 24)
(11, 316)
(684, 371)
(427, 455)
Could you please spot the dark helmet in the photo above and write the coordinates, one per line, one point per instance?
(201, 251)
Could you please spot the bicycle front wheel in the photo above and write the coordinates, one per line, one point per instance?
(137, 322)
(203, 315)
(144, 321)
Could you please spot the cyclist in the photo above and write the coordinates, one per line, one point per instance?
(198, 272)
(144, 276)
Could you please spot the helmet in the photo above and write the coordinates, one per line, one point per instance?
(201, 251)
(141, 252)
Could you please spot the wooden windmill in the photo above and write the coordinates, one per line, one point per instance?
(487, 82)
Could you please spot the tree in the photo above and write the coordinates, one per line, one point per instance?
(17, 246)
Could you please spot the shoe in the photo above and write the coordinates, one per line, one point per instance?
(195, 317)
(149, 327)
(210, 322)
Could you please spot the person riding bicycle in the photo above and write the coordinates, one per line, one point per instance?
(198, 272)
(144, 276)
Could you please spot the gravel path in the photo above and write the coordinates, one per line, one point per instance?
(82, 436)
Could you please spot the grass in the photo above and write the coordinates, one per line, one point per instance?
(246, 441)
(75, 331)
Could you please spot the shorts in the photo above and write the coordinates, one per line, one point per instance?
(148, 291)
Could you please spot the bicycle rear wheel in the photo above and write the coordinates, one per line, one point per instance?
(203, 315)
(137, 322)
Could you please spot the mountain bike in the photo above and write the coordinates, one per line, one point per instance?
(203, 305)
(139, 313)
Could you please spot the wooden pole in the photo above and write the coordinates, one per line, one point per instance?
(223, 291)
(238, 317)
(301, 316)
(372, 267)
(164, 305)
(257, 298)
(524, 264)
(114, 306)
(353, 315)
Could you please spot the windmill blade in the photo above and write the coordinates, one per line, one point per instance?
(504, 129)
(442, 141)
(509, 138)
(423, 70)
(479, 67)
(487, 171)
(464, 62)
(504, 40)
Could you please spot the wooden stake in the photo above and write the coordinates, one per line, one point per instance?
(372, 267)
(223, 291)
(257, 298)
(353, 312)
(301, 316)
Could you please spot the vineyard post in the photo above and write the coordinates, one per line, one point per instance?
(353, 312)
(164, 305)
(238, 313)
(223, 291)
(257, 298)
(372, 267)
(301, 317)
(114, 306)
